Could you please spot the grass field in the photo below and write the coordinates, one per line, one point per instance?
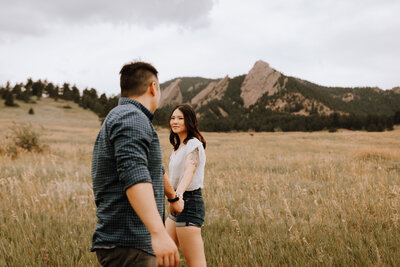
(272, 199)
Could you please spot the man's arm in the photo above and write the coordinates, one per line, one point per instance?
(169, 190)
(141, 198)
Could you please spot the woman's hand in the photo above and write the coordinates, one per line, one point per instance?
(176, 207)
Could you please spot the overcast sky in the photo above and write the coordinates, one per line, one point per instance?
(329, 42)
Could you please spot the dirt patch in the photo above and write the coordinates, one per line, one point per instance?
(348, 97)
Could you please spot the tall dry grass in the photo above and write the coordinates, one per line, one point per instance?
(272, 199)
(299, 199)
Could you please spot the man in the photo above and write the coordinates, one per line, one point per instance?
(128, 180)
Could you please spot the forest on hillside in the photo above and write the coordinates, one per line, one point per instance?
(378, 117)
(210, 118)
(32, 91)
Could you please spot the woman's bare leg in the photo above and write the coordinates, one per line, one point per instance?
(191, 245)
(170, 226)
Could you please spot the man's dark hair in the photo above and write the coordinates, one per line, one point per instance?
(136, 77)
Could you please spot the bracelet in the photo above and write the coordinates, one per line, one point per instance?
(173, 200)
(179, 195)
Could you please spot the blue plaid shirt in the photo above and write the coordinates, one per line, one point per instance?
(127, 151)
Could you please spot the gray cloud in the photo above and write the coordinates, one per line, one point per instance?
(330, 42)
(35, 17)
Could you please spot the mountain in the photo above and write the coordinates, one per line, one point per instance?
(260, 80)
(265, 85)
(171, 95)
(264, 92)
(264, 99)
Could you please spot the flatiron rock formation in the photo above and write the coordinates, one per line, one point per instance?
(214, 90)
(261, 79)
(172, 94)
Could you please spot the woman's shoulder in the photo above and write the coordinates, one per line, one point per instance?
(194, 142)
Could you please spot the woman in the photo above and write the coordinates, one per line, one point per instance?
(186, 169)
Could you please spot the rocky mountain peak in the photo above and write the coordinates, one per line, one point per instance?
(396, 90)
(171, 95)
(214, 90)
(261, 79)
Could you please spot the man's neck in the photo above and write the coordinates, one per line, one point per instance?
(145, 101)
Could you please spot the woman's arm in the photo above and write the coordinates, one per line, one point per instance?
(191, 163)
(176, 207)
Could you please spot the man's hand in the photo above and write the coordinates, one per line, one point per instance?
(141, 197)
(176, 207)
(165, 249)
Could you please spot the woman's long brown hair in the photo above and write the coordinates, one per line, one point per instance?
(192, 126)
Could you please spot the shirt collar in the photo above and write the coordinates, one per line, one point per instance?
(126, 100)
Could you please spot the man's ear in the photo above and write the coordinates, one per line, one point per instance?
(153, 88)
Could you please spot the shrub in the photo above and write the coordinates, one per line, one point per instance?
(8, 148)
(24, 136)
(3, 149)
(31, 112)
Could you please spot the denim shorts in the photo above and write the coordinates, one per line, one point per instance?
(193, 212)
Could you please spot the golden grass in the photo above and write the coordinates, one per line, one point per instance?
(272, 199)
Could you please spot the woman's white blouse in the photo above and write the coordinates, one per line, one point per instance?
(177, 165)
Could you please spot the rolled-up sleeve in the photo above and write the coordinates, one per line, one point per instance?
(131, 136)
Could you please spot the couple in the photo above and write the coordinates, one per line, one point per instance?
(130, 183)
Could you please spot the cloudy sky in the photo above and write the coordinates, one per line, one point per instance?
(329, 42)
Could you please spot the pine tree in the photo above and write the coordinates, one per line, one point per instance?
(66, 92)
(9, 99)
(17, 91)
(37, 89)
(76, 96)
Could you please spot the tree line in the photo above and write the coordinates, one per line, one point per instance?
(270, 121)
(35, 90)
(210, 118)
(258, 118)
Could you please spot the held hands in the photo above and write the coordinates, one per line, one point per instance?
(176, 207)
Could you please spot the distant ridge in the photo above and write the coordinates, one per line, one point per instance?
(264, 85)
(262, 93)
(264, 99)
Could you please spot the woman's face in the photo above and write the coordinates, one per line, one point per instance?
(177, 122)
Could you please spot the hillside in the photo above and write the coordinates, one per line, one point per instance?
(264, 99)
(49, 112)
(53, 119)
(265, 96)
(264, 85)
